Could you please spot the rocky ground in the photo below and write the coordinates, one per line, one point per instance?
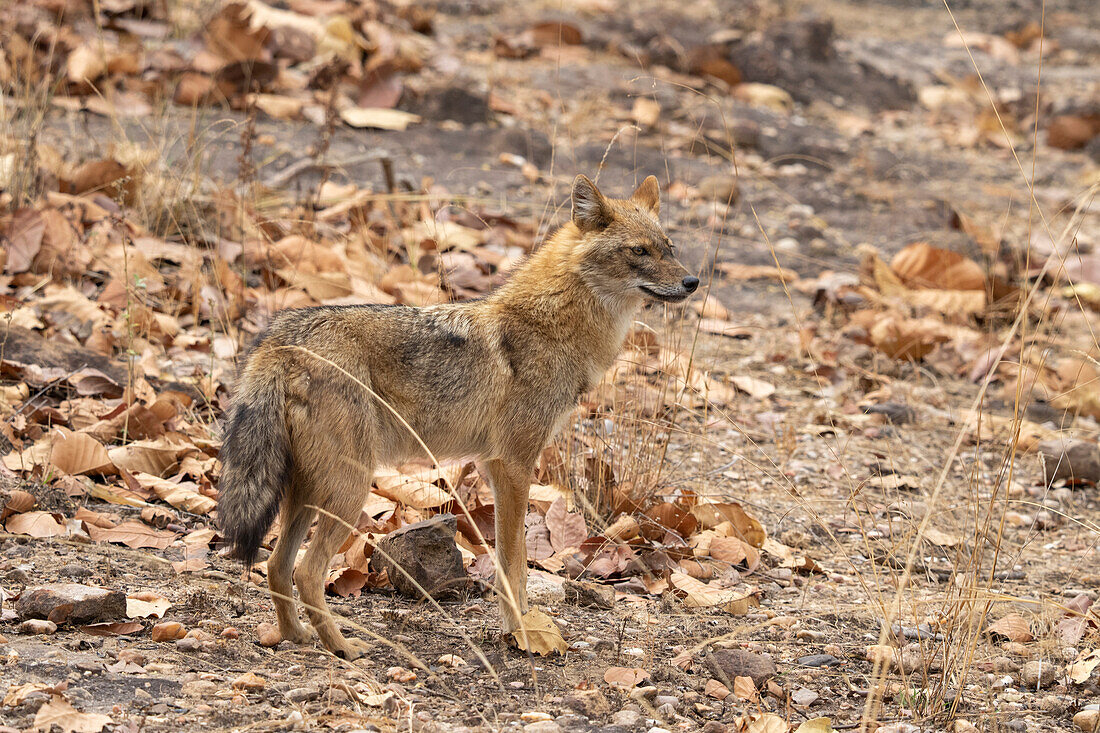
(852, 485)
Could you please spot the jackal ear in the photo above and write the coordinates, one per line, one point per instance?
(590, 209)
(648, 195)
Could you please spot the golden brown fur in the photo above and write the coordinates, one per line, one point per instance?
(493, 379)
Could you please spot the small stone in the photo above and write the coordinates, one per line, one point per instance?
(1004, 665)
(646, 694)
(662, 700)
(1017, 725)
(542, 726)
(249, 681)
(818, 660)
(199, 688)
(1038, 674)
(73, 570)
(590, 703)
(720, 188)
(728, 664)
(230, 632)
(189, 645)
(627, 719)
(592, 595)
(423, 555)
(168, 631)
(72, 602)
(804, 697)
(1087, 721)
(303, 694)
(655, 729)
(713, 726)
(666, 711)
(37, 626)
(268, 634)
(132, 656)
(1072, 460)
(140, 694)
(535, 716)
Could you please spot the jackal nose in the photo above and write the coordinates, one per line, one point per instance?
(690, 283)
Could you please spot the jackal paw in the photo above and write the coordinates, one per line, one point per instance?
(297, 633)
(352, 649)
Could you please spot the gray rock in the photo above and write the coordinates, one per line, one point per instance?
(303, 694)
(72, 602)
(627, 719)
(427, 554)
(804, 697)
(73, 570)
(726, 664)
(589, 594)
(818, 660)
(1072, 460)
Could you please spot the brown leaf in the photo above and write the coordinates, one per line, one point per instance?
(551, 33)
(674, 518)
(36, 524)
(920, 265)
(20, 501)
(538, 538)
(735, 551)
(755, 388)
(134, 534)
(113, 628)
(538, 634)
(697, 594)
(625, 677)
(230, 35)
(747, 528)
(345, 582)
(24, 239)
(566, 529)
(59, 712)
(184, 495)
(716, 689)
(411, 491)
(379, 118)
(1012, 627)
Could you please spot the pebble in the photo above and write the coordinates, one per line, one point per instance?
(249, 681)
(230, 632)
(535, 716)
(804, 697)
(303, 694)
(1005, 665)
(542, 726)
(819, 660)
(168, 631)
(1038, 674)
(666, 711)
(37, 626)
(189, 645)
(647, 693)
(1087, 721)
(73, 570)
(199, 688)
(655, 729)
(627, 718)
(662, 700)
(268, 634)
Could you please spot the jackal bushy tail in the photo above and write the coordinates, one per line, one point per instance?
(256, 459)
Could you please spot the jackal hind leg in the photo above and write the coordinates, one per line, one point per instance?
(294, 524)
(345, 491)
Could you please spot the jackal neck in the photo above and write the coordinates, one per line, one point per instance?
(554, 291)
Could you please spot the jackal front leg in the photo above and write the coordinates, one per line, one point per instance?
(511, 483)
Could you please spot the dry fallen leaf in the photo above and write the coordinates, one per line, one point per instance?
(816, 725)
(146, 604)
(767, 723)
(538, 634)
(36, 524)
(697, 594)
(1012, 627)
(625, 677)
(1081, 670)
(59, 712)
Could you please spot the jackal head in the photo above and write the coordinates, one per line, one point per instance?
(624, 252)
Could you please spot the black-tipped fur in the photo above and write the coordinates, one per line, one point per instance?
(255, 469)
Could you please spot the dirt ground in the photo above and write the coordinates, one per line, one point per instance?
(864, 465)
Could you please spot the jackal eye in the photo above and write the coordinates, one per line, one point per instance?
(640, 251)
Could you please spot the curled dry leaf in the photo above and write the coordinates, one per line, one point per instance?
(59, 712)
(697, 594)
(183, 495)
(1012, 627)
(816, 725)
(411, 491)
(711, 514)
(1082, 668)
(19, 501)
(625, 677)
(753, 387)
(566, 529)
(538, 634)
(767, 723)
(36, 524)
(133, 534)
(716, 689)
(146, 604)
(920, 265)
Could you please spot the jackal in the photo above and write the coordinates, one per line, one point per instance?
(317, 403)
